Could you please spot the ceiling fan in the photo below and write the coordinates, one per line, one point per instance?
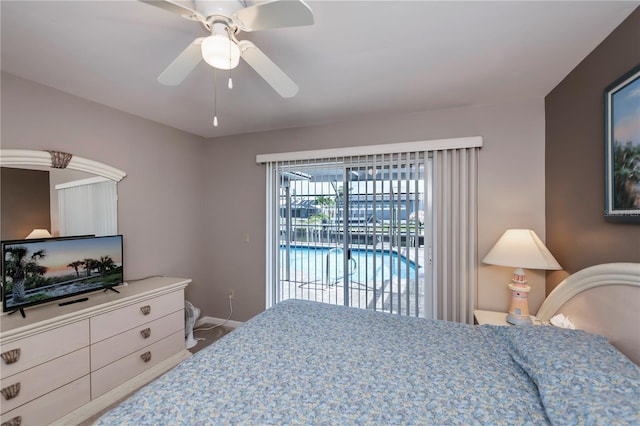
(224, 20)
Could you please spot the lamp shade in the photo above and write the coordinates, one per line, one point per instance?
(521, 248)
(220, 52)
(38, 233)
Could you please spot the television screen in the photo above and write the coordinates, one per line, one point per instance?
(41, 270)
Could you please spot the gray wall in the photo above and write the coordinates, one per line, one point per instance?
(187, 203)
(577, 232)
(511, 175)
(160, 206)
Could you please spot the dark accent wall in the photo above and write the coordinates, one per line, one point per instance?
(24, 200)
(576, 231)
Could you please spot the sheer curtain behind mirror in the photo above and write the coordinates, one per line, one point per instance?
(88, 207)
(362, 226)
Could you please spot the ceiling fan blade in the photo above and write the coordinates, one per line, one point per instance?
(181, 66)
(269, 71)
(274, 14)
(177, 8)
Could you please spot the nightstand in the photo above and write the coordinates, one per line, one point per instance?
(490, 317)
(498, 318)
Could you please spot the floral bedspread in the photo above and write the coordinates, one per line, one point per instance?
(306, 363)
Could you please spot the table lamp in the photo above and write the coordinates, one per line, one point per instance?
(520, 248)
(38, 233)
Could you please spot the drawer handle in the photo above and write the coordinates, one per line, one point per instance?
(9, 357)
(146, 333)
(16, 421)
(12, 391)
(146, 310)
(146, 357)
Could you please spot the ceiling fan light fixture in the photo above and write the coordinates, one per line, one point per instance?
(220, 52)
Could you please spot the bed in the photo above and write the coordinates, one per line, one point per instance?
(303, 362)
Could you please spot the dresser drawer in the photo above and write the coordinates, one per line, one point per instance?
(44, 378)
(115, 322)
(116, 347)
(130, 366)
(52, 405)
(37, 349)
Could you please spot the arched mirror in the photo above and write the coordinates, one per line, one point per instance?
(58, 192)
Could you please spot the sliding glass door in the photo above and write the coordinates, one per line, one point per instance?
(388, 227)
(351, 231)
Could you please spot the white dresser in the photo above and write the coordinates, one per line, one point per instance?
(66, 363)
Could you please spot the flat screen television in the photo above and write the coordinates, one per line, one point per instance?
(39, 271)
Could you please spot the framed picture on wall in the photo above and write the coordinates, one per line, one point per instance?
(622, 164)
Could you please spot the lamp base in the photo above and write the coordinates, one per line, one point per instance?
(519, 307)
(519, 320)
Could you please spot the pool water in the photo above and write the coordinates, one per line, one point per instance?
(326, 265)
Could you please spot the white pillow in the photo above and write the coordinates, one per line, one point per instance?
(561, 321)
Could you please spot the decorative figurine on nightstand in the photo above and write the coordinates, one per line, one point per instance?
(520, 248)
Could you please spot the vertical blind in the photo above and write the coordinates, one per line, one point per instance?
(454, 233)
(415, 201)
(351, 231)
(88, 207)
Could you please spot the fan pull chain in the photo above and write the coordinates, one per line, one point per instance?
(230, 83)
(215, 99)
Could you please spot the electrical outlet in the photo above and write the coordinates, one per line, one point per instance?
(231, 294)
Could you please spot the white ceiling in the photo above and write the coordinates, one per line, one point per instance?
(359, 58)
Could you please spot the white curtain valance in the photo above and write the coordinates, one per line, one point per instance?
(417, 146)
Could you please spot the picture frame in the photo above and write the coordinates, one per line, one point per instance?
(622, 157)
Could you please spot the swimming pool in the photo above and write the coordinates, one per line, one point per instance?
(326, 265)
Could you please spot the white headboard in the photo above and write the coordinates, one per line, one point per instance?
(602, 299)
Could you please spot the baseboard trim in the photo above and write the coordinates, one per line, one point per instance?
(216, 321)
